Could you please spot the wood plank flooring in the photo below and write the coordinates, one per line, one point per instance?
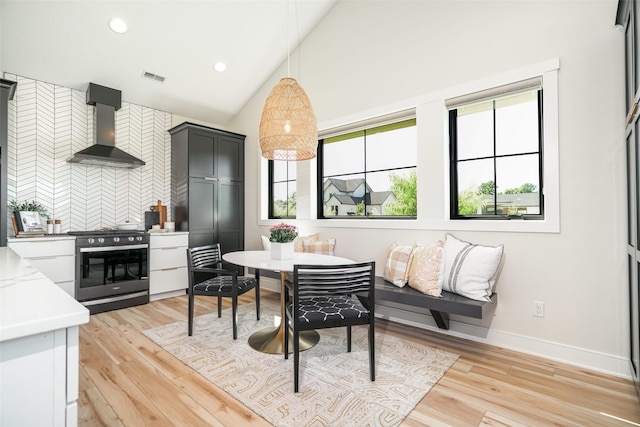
(127, 380)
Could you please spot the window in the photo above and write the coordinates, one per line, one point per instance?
(496, 153)
(369, 172)
(282, 191)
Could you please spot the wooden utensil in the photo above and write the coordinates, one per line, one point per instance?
(162, 210)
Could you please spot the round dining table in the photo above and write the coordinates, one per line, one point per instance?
(271, 339)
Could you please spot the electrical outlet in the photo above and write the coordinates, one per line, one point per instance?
(538, 309)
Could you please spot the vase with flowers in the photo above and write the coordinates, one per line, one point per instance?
(281, 238)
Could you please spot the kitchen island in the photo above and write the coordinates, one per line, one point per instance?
(39, 326)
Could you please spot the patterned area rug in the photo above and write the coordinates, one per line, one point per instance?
(334, 385)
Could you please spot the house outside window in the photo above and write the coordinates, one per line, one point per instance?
(282, 189)
(369, 172)
(496, 153)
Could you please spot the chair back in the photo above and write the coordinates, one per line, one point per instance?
(327, 280)
(204, 256)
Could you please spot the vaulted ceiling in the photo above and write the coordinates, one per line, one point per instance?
(69, 43)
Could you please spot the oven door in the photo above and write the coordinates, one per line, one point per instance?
(111, 270)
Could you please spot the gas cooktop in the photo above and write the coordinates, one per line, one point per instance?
(104, 232)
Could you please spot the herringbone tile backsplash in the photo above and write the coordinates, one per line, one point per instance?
(48, 123)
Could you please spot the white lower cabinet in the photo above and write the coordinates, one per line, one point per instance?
(54, 257)
(50, 361)
(168, 265)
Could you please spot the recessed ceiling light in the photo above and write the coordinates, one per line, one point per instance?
(220, 67)
(117, 25)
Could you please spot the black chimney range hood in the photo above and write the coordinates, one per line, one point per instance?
(104, 152)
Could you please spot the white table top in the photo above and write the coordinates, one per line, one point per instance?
(30, 303)
(262, 260)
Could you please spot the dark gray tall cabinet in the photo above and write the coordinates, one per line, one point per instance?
(628, 15)
(207, 177)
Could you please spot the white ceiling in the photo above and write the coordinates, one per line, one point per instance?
(69, 43)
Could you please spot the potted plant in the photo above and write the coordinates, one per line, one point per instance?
(281, 238)
(25, 206)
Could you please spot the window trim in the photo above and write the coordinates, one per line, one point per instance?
(433, 166)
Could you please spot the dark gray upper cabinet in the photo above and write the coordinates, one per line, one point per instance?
(207, 177)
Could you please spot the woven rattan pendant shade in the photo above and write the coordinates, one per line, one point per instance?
(288, 127)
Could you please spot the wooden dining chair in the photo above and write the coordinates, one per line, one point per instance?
(330, 296)
(206, 261)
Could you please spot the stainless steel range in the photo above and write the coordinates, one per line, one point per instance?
(112, 269)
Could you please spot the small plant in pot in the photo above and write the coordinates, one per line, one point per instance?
(26, 223)
(283, 233)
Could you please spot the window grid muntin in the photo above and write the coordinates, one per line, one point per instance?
(324, 211)
(289, 182)
(454, 161)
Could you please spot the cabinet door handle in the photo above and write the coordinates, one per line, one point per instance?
(632, 113)
(208, 178)
(43, 257)
(167, 269)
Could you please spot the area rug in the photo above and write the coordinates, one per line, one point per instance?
(335, 389)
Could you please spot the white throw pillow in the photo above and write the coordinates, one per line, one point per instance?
(470, 270)
(266, 244)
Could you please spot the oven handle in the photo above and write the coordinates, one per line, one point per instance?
(113, 248)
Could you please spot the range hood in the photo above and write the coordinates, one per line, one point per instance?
(104, 152)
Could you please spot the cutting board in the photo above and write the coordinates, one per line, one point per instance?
(162, 210)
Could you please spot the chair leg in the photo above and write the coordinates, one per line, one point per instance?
(372, 352)
(348, 339)
(190, 315)
(234, 312)
(219, 307)
(296, 358)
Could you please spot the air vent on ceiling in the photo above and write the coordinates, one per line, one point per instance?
(152, 76)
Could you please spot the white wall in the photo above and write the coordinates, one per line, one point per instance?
(371, 57)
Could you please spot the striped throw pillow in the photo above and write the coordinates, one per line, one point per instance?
(470, 270)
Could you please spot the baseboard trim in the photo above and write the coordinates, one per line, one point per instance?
(579, 357)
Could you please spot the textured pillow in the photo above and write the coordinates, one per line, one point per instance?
(396, 269)
(298, 243)
(266, 244)
(324, 247)
(470, 270)
(425, 269)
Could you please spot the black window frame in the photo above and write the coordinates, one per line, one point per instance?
(320, 178)
(271, 174)
(453, 170)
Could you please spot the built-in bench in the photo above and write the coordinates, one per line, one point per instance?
(440, 308)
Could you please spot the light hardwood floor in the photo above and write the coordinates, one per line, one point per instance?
(127, 380)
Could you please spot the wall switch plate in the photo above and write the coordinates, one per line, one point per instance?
(538, 309)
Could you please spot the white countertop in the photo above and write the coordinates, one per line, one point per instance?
(30, 303)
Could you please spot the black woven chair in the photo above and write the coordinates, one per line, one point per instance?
(207, 261)
(330, 296)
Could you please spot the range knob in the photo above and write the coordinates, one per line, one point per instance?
(139, 238)
(90, 240)
(116, 239)
(130, 238)
(100, 239)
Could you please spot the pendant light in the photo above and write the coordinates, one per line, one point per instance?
(288, 127)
